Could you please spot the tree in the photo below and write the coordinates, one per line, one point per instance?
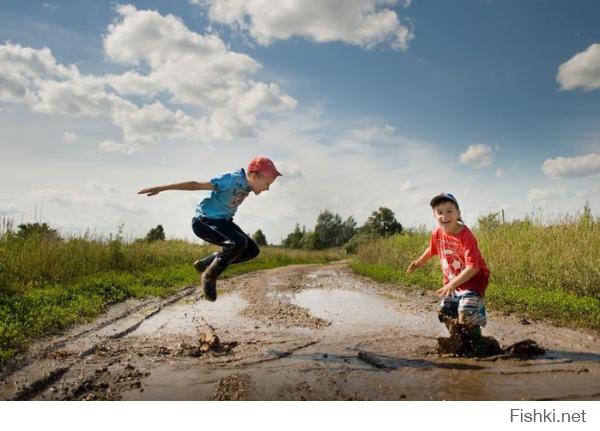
(38, 230)
(330, 231)
(308, 241)
(382, 222)
(260, 238)
(156, 234)
(327, 228)
(294, 238)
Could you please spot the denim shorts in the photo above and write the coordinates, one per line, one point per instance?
(465, 305)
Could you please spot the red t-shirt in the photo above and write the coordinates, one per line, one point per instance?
(458, 252)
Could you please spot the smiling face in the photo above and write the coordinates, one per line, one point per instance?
(447, 215)
(259, 183)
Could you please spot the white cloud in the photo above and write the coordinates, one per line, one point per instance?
(580, 166)
(69, 137)
(213, 83)
(547, 194)
(23, 69)
(479, 156)
(583, 70)
(51, 6)
(195, 69)
(366, 23)
(499, 173)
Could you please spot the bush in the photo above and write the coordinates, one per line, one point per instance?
(38, 230)
(156, 234)
(351, 247)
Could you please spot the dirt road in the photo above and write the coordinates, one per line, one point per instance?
(296, 333)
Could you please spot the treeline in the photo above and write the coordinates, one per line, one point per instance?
(332, 231)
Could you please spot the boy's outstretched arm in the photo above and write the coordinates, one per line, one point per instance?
(189, 185)
(420, 261)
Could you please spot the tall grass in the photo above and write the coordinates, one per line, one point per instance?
(47, 283)
(541, 269)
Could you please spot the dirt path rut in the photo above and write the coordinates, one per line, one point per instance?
(314, 332)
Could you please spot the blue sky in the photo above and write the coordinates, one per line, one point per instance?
(363, 103)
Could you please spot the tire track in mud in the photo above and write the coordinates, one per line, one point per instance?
(31, 390)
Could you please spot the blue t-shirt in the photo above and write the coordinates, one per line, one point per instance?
(230, 191)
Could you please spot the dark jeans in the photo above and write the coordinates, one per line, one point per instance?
(237, 246)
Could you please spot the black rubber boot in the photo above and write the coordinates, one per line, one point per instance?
(201, 265)
(209, 278)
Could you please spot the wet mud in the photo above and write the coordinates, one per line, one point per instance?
(313, 332)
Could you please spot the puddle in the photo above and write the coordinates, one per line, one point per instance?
(348, 308)
(185, 317)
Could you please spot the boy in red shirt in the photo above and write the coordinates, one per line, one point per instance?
(466, 276)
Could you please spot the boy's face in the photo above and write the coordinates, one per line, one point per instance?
(447, 215)
(259, 183)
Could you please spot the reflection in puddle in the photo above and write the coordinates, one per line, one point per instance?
(185, 317)
(344, 307)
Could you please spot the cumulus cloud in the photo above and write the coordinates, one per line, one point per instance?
(69, 137)
(580, 166)
(24, 69)
(535, 195)
(478, 156)
(583, 70)
(499, 173)
(197, 72)
(366, 23)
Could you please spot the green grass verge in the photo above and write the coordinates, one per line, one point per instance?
(48, 308)
(560, 307)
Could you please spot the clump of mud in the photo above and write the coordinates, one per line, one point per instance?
(524, 349)
(487, 347)
(208, 341)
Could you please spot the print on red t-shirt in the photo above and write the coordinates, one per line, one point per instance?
(458, 252)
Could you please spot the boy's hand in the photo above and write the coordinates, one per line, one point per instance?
(150, 191)
(413, 265)
(445, 291)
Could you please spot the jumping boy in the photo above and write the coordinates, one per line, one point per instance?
(213, 220)
(462, 307)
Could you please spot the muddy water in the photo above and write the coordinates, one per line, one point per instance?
(300, 333)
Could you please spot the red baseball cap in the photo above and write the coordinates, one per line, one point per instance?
(264, 166)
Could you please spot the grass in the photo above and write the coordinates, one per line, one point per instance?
(543, 271)
(47, 285)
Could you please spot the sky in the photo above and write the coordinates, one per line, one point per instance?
(360, 104)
